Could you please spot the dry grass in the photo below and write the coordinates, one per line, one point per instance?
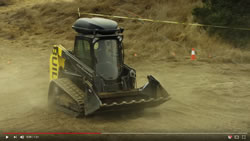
(148, 40)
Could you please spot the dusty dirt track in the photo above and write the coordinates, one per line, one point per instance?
(206, 97)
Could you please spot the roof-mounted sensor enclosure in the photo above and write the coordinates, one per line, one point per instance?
(96, 26)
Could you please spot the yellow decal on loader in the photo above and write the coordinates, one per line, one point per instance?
(56, 62)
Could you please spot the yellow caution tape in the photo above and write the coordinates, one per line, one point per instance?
(159, 21)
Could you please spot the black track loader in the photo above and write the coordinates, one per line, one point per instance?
(93, 77)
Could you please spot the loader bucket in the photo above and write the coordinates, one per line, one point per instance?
(150, 95)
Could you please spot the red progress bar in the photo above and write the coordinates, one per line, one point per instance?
(40, 133)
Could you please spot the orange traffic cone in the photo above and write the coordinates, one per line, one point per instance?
(193, 54)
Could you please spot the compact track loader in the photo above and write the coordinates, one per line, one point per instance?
(93, 77)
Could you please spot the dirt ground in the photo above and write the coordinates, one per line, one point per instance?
(206, 97)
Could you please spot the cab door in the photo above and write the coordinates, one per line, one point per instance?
(83, 51)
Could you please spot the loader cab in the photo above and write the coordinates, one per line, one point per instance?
(103, 55)
(98, 45)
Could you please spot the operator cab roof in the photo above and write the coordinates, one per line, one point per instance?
(90, 26)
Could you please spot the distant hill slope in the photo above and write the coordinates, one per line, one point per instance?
(151, 41)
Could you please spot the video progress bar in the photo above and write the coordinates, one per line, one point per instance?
(153, 133)
(122, 133)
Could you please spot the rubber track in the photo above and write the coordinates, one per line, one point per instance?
(73, 91)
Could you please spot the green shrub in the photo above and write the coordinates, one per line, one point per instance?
(232, 13)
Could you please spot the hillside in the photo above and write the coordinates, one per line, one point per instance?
(153, 41)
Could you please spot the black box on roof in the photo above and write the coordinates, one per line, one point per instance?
(95, 25)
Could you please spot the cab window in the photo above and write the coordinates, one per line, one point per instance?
(82, 51)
